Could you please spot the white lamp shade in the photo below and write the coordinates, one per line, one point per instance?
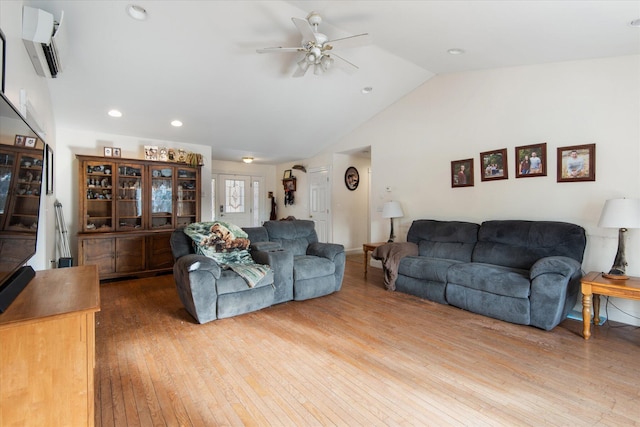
(620, 213)
(392, 210)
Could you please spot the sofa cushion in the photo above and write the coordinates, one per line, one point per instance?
(519, 244)
(310, 267)
(444, 239)
(489, 278)
(230, 282)
(294, 236)
(432, 269)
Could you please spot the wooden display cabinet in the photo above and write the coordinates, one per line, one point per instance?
(129, 208)
(21, 172)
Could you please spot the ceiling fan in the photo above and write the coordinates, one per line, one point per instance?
(317, 48)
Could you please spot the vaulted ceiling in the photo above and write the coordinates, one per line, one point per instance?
(196, 61)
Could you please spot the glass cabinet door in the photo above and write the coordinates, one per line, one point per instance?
(162, 197)
(187, 197)
(129, 197)
(7, 161)
(24, 212)
(98, 190)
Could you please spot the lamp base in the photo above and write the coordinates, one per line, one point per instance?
(615, 276)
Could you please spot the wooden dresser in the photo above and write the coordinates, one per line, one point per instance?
(47, 350)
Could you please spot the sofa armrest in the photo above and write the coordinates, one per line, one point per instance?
(196, 262)
(555, 283)
(325, 250)
(281, 262)
(196, 278)
(264, 246)
(561, 265)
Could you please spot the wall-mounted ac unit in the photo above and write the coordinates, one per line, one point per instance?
(41, 37)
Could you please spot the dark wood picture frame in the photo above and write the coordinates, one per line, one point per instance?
(49, 168)
(577, 163)
(351, 178)
(462, 173)
(524, 163)
(494, 165)
(289, 184)
(3, 59)
(19, 140)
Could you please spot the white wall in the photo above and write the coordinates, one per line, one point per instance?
(457, 116)
(73, 142)
(350, 208)
(20, 74)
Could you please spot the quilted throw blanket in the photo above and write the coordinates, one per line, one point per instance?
(390, 254)
(228, 245)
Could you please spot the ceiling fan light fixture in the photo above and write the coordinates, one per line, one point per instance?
(455, 51)
(176, 123)
(367, 90)
(115, 113)
(326, 61)
(247, 159)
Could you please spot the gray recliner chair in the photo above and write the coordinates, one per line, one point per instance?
(209, 292)
(314, 269)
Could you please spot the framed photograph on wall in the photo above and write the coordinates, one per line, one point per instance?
(30, 141)
(116, 152)
(494, 165)
(19, 141)
(577, 163)
(108, 152)
(462, 173)
(3, 59)
(531, 160)
(351, 178)
(287, 174)
(289, 184)
(49, 168)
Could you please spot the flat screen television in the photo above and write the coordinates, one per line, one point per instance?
(22, 174)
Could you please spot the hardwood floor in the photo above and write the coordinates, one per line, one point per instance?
(361, 356)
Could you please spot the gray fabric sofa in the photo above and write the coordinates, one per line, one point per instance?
(525, 272)
(301, 268)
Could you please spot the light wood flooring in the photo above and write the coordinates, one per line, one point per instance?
(360, 357)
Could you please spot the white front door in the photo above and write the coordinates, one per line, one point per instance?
(234, 200)
(320, 200)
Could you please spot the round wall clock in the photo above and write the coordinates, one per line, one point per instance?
(351, 178)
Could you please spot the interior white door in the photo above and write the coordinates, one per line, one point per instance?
(319, 200)
(234, 199)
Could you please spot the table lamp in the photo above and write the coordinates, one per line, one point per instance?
(392, 210)
(621, 214)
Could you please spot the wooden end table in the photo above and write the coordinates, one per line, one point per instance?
(366, 248)
(595, 284)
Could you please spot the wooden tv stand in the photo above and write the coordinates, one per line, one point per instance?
(47, 350)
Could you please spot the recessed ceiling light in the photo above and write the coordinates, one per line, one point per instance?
(247, 159)
(138, 13)
(456, 51)
(115, 113)
(367, 89)
(176, 123)
(635, 23)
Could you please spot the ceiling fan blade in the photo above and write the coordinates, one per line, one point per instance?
(346, 42)
(305, 29)
(343, 64)
(280, 50)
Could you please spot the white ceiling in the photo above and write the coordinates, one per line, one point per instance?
(196, 61)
